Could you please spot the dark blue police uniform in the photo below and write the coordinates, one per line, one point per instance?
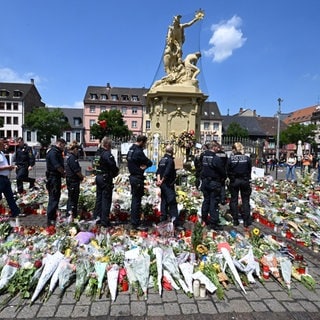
(24, 158)
(55, 167)
(73, 183)
(212, 173)
(239, 173)
(106, 170)
(136, 158)
(166, 170)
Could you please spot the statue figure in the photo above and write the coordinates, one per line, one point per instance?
(175, 40)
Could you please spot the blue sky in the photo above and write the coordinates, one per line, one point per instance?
(253, 52)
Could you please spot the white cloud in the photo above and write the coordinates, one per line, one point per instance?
(9, 75)
(225, 39)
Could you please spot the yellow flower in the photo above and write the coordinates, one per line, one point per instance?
(256, 232)
(202, 249)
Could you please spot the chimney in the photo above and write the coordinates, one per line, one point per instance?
(241, 110)
(254, 113)
(32, 81)
(108, 85)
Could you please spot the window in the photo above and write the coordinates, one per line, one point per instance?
(2, 119)
(4, 93)
(28, 135)
(104, 97)
(148, 125)
(113, 108)
(8, 120)
(15, 106)
(103, 108)
(92, 122)
(124, 110)
(9, 134)
(135, 98)
(17, 94)
(68, 136)
(114, 97)
(125, 97)
(92, 109)
(134, 110)
(134, 124)
(78, 136)
(15, 120)
(92, 138)
(216, 126)
(9, 105)
(205, 113)
(15, 133)
(1, 134)
(93, 96)
(1, 105)
(206, 125)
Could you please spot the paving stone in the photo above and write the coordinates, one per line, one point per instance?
(100, 308)
(231, 293)
(171, 308)
(123, 299)
(241, 305)
(308, 306)
(207, 307)
(154, 298)
(252, 296)
(263, 293)
(272, 285)
(282, 296)
(46, 311)
(274, 305)
(155, 310)
(169, 295)
(183, 298)
(119, 310)
(80, 311)
(258, 306)
(224, 306)
(28, 311)
(293, 306)
(64, 310)
(189, 308)
(138, 308)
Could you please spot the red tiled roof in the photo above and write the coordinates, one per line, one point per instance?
(300, 116)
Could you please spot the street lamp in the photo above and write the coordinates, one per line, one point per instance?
(278, 136)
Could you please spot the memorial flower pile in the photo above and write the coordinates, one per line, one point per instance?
(36, 262)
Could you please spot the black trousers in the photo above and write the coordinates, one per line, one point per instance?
(22, 174)
(73, 187)
(137, 192)
(54, 189)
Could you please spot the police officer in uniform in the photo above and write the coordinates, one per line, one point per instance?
(106, 170)
(239, 172)
(55, 172)
(138, 162)
(212, 174)
(24, 160)
(223, 156)
(166, 177)
(73, 179)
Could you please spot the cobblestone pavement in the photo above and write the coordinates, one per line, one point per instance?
(261, 301)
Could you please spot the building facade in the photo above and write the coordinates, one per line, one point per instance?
(17, 99)
(129, 101)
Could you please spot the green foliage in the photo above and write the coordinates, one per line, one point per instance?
(1, 122)
(235, 130)
(296, 132)
(47, 123)
(115, 125)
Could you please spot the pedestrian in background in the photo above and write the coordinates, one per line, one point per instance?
(106, 170)
(138, 162)
(291, 167)
(212, 174)
(239, 173)
(73, 178)
(24, 160)
(166, 178)
(5, 184)
(54, 174)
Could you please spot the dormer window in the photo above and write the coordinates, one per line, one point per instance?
(4, 93)
(17, 94)
(125, 97)
(76, 121)
(114, 97)
(135, 98)
(205, 113)
(93, 96)
(104, 97)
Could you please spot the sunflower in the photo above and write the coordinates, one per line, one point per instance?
(256, 232)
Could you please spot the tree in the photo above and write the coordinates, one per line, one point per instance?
(296, 131)
(110, 123)
(235, 130)
(47, 123)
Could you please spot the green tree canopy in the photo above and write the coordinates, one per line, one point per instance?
(47, 123)
(110, 123)
(296, 132)
(235, 130)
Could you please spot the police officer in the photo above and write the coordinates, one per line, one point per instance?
(212, 173)
(223, 156)
(138, 162)
(239, 172)
(55, 171)
(166, 177)
(106, 170)
(5, 184)
(73, 179)
(24, 160)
